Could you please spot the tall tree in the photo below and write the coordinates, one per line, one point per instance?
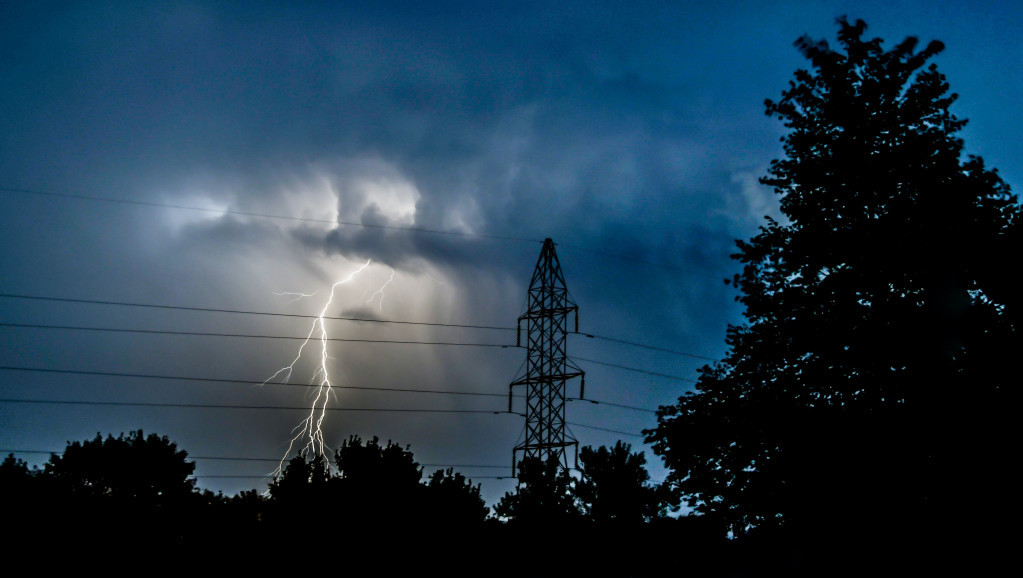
(377, 486)
(615, 487)
(133, 490)
(544, 496)
(304, 482)
(133, 469)
(20, 488)
(866, 395)
(452, 500)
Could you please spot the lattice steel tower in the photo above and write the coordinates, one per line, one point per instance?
(547, 365)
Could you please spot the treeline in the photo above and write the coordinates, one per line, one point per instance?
(136, 493)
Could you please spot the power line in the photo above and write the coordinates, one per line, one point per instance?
(266, 476)
(256, 382)
(249, 336)
(266, 459)
(243, 312)
(340, 318)
(238, 381)
(286, 408)
(259, 407)
(644, 346)
(154, 204)
(270, 407)
(635, 369)
(597, 402)
(624, 433)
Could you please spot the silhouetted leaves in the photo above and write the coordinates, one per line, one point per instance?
(614, 489)
(872, 377)
(543, 497)
(131, 469)
(453, 502)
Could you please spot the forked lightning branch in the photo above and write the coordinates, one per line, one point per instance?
(307, 437)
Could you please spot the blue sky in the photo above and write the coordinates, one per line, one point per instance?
(618, 129)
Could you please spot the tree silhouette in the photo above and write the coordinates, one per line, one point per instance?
(133, 469)
(135, 489)
(377, 485)
(303, 482)
(544, 496)
(614, 489)
(20, 490)
(453, 502)
(866, 394)
(15, 476)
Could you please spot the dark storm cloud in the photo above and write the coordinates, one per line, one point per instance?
(523, 109)
(631, 133)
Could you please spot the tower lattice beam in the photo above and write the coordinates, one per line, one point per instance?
(547, 365)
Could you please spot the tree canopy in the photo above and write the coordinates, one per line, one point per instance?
(543, 496)
(615, 487)
(132, 468)
(871, 375)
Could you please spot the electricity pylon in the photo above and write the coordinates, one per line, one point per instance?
(547, 364)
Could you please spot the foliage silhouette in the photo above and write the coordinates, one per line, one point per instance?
(134, 490)
(871, 377)
(304, 482)
(544, 496)
(131, 469)
(450, 500)
(372, 500)
(20, 490)
(614, 489)
(15, 476)
(377, 485)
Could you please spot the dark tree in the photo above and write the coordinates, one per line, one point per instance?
(864, 402)
(303, 482)
(133, 469)
(15, 475)
(134, 489)
(452, 500)
(614, 489)
(544, 496)
(376, 483)
(20, 488)
(373, 467)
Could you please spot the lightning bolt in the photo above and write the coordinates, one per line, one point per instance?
(380, 291)
(308, 434)
(294, 294)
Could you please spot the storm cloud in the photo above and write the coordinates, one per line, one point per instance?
(267, 150)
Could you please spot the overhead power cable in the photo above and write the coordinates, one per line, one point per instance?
(259, 407)
(624, 433)
(644, 346)
(155, 204)
(241, 381)
(597, 402)
(289, 408)
(340, 318)
(635, 369)
(267, 460)
(305, 385)
(269, 476)
(250, 336)
(244, 312)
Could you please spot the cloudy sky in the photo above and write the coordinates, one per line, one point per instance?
(231, 155)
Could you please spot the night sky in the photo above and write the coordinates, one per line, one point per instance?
(631, 133)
